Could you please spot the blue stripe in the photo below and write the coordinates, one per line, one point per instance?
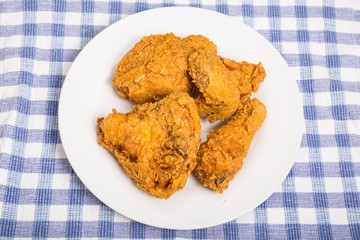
(30, 79)
(87, 22)
(317, 60)
(62, 166)
(73, 229)
(58, 228)
(306, 86)
(276, 200)
(339, 113)
(347, 14)
(306, 60)
(274, 18)
(34, 165)
(46, 55)
(248, 10)
(7, 227)
(12, 192)
(290, 204)
(115, 7)
(29, 29)
(289, 198)
(261, 231)
(222, 7)
(115, 10)
(59, 197)
(231, 231)
(44, 29)
(52, 136)
(195, 3)
(277, 231)
(293, 231)
(59, 6)
(23, 135)
(261, 219)
(315, 36)
(30, 5)
(75, 207)
(168, 3)
(87, 6)
(141, 6)
(168, 234)
(106, 229)
(42, 210)
(106, 222)
(137, 230)
(28, 107)
(199, 234)
(15, 164)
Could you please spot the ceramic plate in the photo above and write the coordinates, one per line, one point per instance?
(88, 94)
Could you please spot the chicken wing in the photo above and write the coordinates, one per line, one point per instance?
(249, 75)
(156, 143)
(221, 156)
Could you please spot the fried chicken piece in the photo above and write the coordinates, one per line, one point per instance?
(221, 156)
(223, 83)
(193, 43)
(218, 86)
(154, 68)
(156, 143)
(249, 75)
(157, 66)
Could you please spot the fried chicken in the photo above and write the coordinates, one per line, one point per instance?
(157, 66)
(249, 75)
(221, 156)
(156, 143)
(218, 86)
(195, 42)
(223, 83)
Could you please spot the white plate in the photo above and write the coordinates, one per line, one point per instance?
(87, 94)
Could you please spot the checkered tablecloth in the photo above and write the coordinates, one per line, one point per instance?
(41, 196)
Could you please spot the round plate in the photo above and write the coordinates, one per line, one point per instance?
(88, 94)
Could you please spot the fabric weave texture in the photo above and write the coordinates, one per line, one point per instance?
(42, 198)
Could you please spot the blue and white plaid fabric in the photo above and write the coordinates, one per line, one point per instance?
(40, 195)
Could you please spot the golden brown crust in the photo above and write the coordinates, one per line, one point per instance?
(157, 66)
(219, 87)
(249, 75)
(156, 143)
(224, 83)
(221, 156)
(154, 68)
(193, 43)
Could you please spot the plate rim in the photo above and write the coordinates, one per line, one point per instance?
(146, 12)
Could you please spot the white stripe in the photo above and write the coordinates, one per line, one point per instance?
(344, 26)
(355, 5)
(6, 145)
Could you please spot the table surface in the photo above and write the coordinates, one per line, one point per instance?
(41, 196)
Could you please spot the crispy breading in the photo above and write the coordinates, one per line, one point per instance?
(154, 68)
(157, 66)
(223, 83)
(249, 75)
(156, 143)
(220, 93)
(195, 42)
(221, 156)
